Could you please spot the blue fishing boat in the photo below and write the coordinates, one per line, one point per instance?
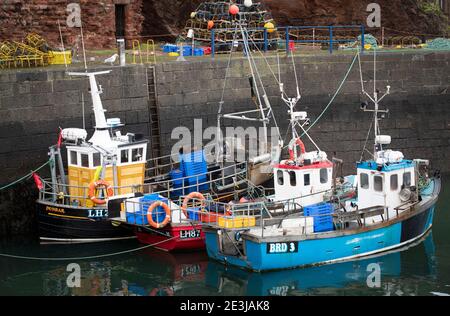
(393, 206)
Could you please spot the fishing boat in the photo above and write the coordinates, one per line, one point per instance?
(89, 200)
(393, 207)
(84, 201)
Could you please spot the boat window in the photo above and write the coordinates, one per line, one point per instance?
(73, 158)
(124, 156)
(407, 179)
(323, 175)
(306, 179)
(293, 178)
(84, 160)
(378, 183)
(96, 160)
(280, 177)
(364, 180)
(136, 154)
(394, 182)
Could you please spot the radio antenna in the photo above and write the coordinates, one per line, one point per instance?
(82, 43)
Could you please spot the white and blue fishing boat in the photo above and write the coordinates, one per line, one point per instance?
(393, 206)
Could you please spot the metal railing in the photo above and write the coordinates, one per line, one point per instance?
(292, 34)
(208, 182)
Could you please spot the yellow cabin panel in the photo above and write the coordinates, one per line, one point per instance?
(79, 179)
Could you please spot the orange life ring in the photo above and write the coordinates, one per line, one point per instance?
(150, 211)
(193, 195)
(297, 142)
(94, 186)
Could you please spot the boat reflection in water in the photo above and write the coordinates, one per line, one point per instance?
(155, 273)
(149, 273)
(353, 277)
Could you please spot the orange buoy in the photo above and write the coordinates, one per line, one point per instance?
(193, 195)
(94, 186)
(234, 9)
(210, 24)
(150, 212)
(270, 27)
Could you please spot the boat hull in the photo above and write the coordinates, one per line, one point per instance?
(77, 225)
(259, 256)
(173, 238)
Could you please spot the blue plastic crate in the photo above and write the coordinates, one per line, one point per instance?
(199, 52)
(170, 48)
(187, 50)
(138, 218)
(194, 213)
(322, 214)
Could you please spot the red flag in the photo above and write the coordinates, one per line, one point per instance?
(38, 181)
(59, 138)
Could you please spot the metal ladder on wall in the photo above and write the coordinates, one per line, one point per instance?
(154, 131)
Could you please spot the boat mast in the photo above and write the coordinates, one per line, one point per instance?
(376, 101)
(101, 135)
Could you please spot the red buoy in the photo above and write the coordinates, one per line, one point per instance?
(210, 24)
(234, 9)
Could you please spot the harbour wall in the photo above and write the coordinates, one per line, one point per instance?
(35, 103)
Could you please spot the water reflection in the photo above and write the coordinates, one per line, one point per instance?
(156, 273)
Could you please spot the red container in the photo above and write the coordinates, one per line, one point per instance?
(207, 50)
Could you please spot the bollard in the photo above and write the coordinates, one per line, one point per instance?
(121, 51)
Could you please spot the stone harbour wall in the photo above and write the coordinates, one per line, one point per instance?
(35, 103)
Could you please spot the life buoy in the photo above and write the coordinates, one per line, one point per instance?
(150, 212)
(94, 186)
(295, 142)
(193, 195)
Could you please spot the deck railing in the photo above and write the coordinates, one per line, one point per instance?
(234, 174)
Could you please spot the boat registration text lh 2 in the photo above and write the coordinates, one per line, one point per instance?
(282, 247)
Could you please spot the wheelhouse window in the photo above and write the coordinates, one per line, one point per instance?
(378, 183)
(306, 179)
(364, 180)
(323, 175)
(124, 156)
(407, 179)
(96, 160)
(394, 182)
(73, 158)
(85, 160)
(292, 178)
(136, 154)
(280, 177)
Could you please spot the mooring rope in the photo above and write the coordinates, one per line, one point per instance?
(25, 177)
(334, 96)
(85, 258)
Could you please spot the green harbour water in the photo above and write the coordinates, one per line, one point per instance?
(423, 269)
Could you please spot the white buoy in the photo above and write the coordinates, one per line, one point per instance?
(248, 3)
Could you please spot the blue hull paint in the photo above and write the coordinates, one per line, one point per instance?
(320, 251)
